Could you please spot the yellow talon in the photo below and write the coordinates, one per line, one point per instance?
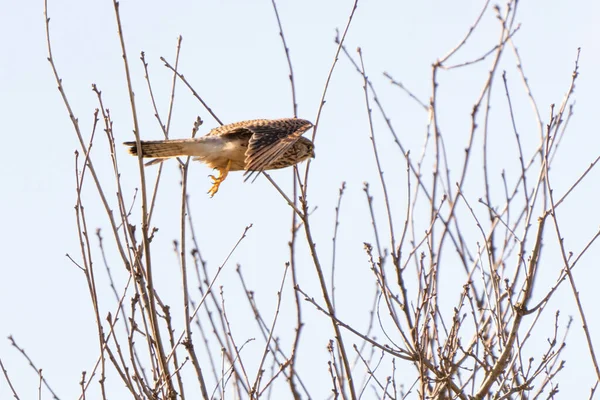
(217, 180)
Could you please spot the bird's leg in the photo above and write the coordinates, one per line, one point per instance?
(216, 180)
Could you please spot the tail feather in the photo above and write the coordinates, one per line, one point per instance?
(164, 148)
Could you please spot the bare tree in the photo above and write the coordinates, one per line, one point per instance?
(426, 337)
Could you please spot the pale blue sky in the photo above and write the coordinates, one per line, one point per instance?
(233, 56)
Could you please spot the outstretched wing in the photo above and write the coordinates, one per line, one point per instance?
(270, 141)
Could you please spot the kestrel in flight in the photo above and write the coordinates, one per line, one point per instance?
(252, 146)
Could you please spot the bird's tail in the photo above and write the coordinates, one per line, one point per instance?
(167, 148)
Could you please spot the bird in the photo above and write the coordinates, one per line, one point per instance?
(252, 146)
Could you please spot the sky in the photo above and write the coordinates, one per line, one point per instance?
(232, 54)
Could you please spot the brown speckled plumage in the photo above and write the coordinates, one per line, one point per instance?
(253, 146)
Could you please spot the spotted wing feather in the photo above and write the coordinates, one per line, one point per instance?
(267, 144)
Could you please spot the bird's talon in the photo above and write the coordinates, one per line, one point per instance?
(215, 187)
(217, 180)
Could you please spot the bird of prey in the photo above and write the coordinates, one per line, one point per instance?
(252, 146)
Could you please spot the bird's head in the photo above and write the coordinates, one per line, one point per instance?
(309, 147)
(305, 148)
